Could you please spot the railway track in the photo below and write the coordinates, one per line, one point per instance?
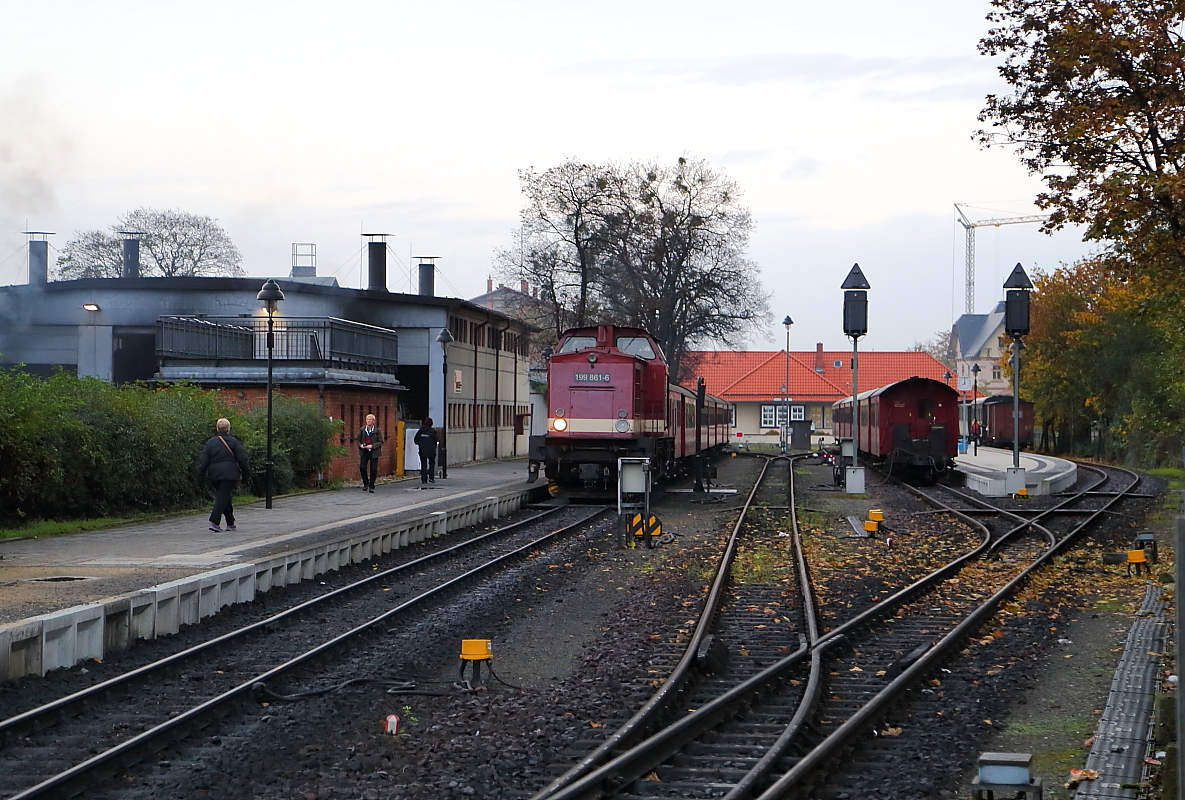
(64, 747)
(819, 722)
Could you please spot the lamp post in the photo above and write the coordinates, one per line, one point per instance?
(444, 337)
(1016, 325)
(270, 295)
(855, 325)
(786, 390)
(974, 405)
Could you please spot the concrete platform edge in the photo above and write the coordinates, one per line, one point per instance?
(69, 636)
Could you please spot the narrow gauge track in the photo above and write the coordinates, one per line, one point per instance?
(938, 613)
(859, 673)
(41, 750)
(730, 705)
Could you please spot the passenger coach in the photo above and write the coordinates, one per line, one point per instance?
(914, 422)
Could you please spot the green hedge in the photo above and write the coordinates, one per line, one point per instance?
(74, 448)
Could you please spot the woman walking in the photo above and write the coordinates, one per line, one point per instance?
(224, 461)
(370, 444)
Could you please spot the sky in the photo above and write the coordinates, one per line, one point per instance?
(849, 128)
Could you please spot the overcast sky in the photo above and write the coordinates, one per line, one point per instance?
(849, 126)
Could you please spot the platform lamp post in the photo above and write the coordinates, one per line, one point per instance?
(1016, 325)
(975, 405)
(855, 325)
(271, 296)
(786, 390)
(444, 337)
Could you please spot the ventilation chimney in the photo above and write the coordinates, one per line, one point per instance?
(818, 356)
(376, 259)
(38, 257)
(524, 287)
(304, 260)
(428, 276)
(131, 253)
(489, 285)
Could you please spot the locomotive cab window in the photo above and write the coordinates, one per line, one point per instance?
(635, 346)
(574, 343)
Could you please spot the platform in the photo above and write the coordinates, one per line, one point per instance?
(67, 598)
(985, 470)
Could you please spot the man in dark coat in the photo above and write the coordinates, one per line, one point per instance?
(427, 440)
(224, 462)
(370, 444)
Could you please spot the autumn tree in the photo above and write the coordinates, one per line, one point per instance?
(941, 345)
(655, 246)
(1097, 108)
(172, 243)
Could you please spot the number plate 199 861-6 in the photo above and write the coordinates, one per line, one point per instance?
(591, 377)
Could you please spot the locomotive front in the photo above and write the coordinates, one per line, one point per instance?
(606, 393)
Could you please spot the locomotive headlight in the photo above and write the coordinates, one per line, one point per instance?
(592, 358)
(622, 425)
(560, 424)
(559, 412)
(621, 414)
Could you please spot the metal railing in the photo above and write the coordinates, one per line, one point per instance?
(323, 340)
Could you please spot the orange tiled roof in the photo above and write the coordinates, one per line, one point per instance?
(754, 376)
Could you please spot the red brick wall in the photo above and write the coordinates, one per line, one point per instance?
(347, 403)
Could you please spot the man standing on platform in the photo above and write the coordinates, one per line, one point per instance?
(370, 444)
(427, 440)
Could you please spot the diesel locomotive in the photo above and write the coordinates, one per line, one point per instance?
(609, 396)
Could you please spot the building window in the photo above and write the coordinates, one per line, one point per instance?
(996, 374)
(732, 415)
(767, 416)
(797, 413)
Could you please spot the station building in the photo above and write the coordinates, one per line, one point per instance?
(353, 351)
(765, 388)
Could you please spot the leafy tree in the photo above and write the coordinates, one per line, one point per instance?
(654, 246)
(173, 243)
(1097, 109)
(941, 345)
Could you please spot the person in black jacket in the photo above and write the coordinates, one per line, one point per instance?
(427, 440)
(224, 461)
(370, 445)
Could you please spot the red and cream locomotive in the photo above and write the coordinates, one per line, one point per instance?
(609, 397)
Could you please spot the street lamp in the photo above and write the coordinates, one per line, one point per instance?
(1016, 325)
(270, 295)
(444, 337)
(786, 390)
(855, 325)
(975, 406)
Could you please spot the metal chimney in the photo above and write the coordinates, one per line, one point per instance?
(38, 257)
(131, 253)
(376, 259)
(428, 275)
(304, 260)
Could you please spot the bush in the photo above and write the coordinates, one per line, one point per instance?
(74, 448)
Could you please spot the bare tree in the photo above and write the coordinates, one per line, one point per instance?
(172, 243)
(941, 345)
(659, 247)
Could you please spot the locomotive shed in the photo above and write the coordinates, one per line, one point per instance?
(580, 660)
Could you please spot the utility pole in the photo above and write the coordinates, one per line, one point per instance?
(969, 245)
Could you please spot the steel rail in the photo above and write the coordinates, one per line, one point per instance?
(638, 725)
(76, 778)
(605, 778)
(31, 720)
(867, 715)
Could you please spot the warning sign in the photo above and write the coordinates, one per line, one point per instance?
(652, 528)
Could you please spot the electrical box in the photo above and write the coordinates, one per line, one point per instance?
(1005, 768)
(854, 480)
(1014, 480)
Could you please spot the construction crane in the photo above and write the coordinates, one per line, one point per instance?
(970, 227)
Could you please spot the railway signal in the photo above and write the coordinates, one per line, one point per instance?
(1016, 325)
(855, 325)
